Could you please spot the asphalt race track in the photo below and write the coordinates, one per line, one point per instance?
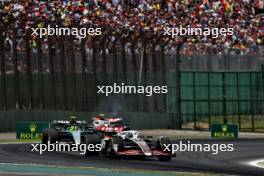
(233, 163)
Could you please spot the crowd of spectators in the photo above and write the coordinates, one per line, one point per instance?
(142, 21)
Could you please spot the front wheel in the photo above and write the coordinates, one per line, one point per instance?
(50, 135)
(161, 143)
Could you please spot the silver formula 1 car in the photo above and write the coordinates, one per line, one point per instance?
(69, 131)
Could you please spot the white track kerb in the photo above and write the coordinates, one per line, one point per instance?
(256, 163)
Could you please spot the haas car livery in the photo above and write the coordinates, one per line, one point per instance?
(119, 140)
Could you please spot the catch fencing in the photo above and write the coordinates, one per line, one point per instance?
(63, 74)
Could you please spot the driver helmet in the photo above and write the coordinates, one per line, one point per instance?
(100, 121)
(73, 119)
(101, 115)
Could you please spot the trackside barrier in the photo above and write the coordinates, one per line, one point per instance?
(30, 130)
(224, 131)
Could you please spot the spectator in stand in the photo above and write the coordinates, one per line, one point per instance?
(135, 18)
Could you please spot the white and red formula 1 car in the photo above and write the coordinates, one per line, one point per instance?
(119, 140)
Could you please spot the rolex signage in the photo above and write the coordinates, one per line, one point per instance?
(224, 131)
(30, 130)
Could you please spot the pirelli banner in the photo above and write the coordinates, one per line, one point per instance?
(224, 131)
(30, 130)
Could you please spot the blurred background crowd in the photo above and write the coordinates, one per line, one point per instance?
(140, 21)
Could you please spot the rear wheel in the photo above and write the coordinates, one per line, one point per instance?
(92, 139)
(117, 142)
(110, 151)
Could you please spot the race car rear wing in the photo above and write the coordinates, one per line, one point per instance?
(110, 120)
(67, 122)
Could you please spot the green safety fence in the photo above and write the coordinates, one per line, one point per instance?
(209, 97)
(206, 97)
